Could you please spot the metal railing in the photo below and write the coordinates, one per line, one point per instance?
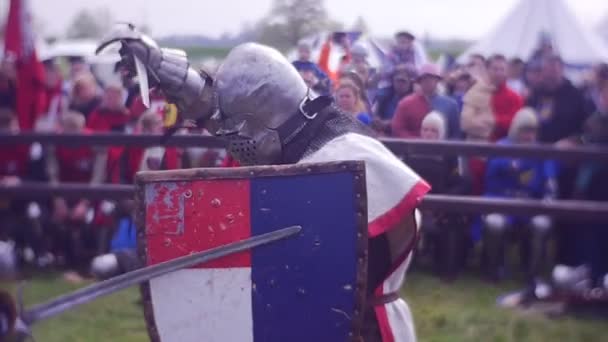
(579, 210)
(398, 146)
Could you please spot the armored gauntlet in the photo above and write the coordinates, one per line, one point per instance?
(167, 69)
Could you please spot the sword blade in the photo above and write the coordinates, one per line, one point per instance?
(62, 303)
(142, 75)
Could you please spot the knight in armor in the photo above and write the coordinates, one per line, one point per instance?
(258, 102)
(518, 178)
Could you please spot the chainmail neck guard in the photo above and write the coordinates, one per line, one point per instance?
(330, 124)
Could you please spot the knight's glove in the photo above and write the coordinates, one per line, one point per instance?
(166, 69)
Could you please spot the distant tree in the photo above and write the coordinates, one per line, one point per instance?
(291, 20)
(361, 25)
(90, 24)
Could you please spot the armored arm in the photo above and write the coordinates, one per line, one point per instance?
(167, 69)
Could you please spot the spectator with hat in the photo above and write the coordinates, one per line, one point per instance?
(411, 110)
(405, 52)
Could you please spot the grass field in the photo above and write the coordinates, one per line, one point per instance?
(462, 311)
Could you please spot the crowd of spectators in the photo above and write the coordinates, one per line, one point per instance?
(490, 99)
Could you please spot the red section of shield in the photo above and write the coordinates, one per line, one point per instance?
(184, 219)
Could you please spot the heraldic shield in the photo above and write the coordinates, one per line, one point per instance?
(308, 287)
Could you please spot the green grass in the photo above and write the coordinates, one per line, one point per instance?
(462, 311)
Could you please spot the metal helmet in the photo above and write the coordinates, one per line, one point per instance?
(258, 90)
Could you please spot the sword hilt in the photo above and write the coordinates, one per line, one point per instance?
(8, 315)
(12, 327)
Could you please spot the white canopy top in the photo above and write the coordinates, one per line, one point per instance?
(519, 32)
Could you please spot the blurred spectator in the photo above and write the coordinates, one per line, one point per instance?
(83, 164)
(505, 102)
(544, 48)
(342, 41)
(585, 247)
(477, 118)
(313, 82)
(111, 114)
(129, 160)
(354, 78)
(154, 157)
(413, 108)
(349, 101)
(360, 65)
(595, 129)
(516, 76)
(476, 62)
(591, 185)
(561, 106)
(388, 98)
(85, 94)
(444, 233)
(21, 220)
(304, 64)
(194, 157)
(56, 98)
(477, 124)
(532, 78)
(460, 83)
(522, 179)
(158, 104)
(404, 51)
(590, 88)
(123, 254)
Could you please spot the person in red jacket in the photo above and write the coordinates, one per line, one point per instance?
(111, 114)
(505, 102)
(128, 161)
(81, 164)
(135, 159)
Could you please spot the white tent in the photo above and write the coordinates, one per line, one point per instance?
(518, 34)
(84, 48)
(602, 28)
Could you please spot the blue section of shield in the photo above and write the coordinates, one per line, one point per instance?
(303, 287)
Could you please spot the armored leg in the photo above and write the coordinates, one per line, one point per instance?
(495, 227)
(539, 229)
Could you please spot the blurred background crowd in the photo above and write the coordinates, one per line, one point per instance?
(487, 94)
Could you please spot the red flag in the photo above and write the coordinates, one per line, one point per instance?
(20, 48)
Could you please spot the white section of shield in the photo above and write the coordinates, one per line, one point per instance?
(210, 305)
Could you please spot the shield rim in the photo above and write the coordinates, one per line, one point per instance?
(360, 201)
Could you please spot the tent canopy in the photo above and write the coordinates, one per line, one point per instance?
(84, 48)
(602, 28)
(519, 32)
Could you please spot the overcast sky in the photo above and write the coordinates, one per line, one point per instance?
(440, 18)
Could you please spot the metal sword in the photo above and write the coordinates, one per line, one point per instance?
(84, 295)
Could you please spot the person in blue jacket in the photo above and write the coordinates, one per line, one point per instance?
(524, 179)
